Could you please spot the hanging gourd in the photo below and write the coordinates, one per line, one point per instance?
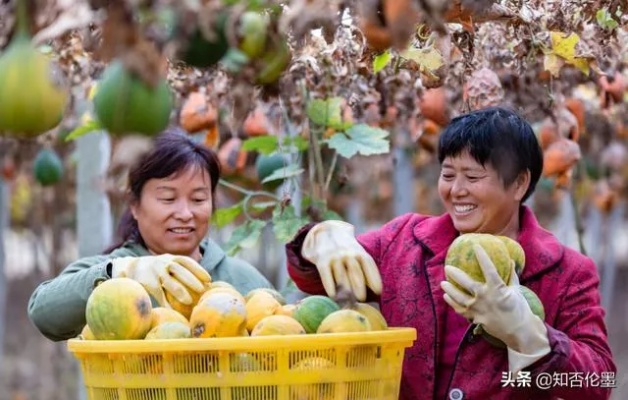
(32, 98)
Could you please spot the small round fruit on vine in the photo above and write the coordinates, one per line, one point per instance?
(124, 104)
(265, 165)
(47, 167)
(252, 32)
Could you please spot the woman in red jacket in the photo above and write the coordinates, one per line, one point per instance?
(490, 164)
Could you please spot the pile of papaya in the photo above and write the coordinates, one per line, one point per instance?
(121, 309)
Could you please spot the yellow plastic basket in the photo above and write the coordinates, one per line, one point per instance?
(339, 366)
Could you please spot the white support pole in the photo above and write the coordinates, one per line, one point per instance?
(403, 176)
(94, 219)
(94, 230)
(4, 222)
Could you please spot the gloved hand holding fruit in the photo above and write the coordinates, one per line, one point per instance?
(164, 273)
(341, 260)
(501, 309)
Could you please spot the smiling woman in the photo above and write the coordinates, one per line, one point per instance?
(164, 244)
(490, 164)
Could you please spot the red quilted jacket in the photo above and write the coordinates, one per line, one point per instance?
(410, 252)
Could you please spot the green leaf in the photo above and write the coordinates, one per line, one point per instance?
(286, 223)
(90, 126)
(225, 216)
(605, 20)
(381, 61)
(327, 113)
(244, 236)
(264, 144)
(428, 59)
(360, 139)
(300, 143)
(283, 173)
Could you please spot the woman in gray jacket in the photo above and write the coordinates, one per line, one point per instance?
(164, 240)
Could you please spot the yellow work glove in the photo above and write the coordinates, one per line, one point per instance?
(501, 309)
(166, 272)
(340, 259)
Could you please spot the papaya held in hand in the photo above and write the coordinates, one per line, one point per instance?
(500, 308)
(461, 254)
(340, 259)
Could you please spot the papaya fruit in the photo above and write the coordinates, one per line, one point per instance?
(265, 165)
(160, 315)
(169, 330)
(277, 325)
(372, 314)
(124, 104)
(33, 98)
(252, 33)
(287, 310)
(312, 310)
(344, 321)
(461, 255)
(225, 289)
(203, 52)
(243, 362)
(47, 167)
(119, 309)
(217, 284)
(535, 305)
(259, 306)
(273, 63)
(516, 253)
(218, 315)
(278, 296)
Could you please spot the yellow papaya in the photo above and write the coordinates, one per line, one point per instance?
(169, 330)
(218, 315)
(277, 325)
(344, 321)
(462, 255)
(163, 314)
(278, 296)
(259, 306)
(119, 309)
(375, 318)
(516, 253)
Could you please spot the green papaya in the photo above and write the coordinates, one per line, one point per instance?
(124, 104)
(47, 167)
(32, 96)
(201, 52)
(252, 31)
(265, 165)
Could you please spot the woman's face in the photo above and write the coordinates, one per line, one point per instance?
(173, 213)
(475, 196)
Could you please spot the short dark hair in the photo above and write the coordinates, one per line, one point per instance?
(173, 151)
(498, 136)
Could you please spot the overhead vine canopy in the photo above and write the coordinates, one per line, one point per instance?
(404, 66)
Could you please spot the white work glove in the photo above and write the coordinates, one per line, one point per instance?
(501, 309)
(175, 274)
(340, 259)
